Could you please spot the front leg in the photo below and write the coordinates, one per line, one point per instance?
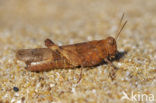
(112, 72)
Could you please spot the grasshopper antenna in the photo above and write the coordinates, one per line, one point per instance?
(117, 35)
(121, 19)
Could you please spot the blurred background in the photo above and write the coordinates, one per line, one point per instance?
(72, 19)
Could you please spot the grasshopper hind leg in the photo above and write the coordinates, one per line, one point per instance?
(49, 43)
(71, 56)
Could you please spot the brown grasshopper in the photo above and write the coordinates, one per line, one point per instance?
(86, 54)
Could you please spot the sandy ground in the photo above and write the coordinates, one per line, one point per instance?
(26, 24)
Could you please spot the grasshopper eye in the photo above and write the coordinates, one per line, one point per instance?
(111, 41)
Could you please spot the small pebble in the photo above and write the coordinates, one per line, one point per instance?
(16, 89)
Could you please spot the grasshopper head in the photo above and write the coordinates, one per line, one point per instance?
(111, 47)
